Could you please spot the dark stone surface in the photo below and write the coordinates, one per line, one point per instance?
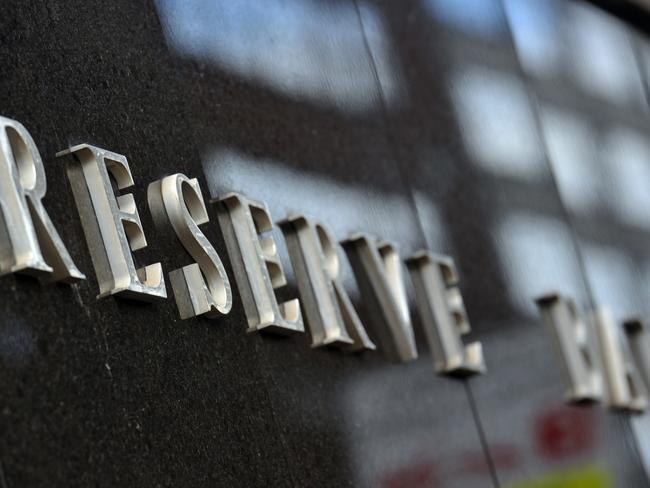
(341, 110)
(112, 393)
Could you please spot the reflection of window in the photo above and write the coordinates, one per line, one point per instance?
(572, 152)
(16, 341)
(643, 44)
(389, 450)
(601, 55)
(497, 121)
(626, 155)
(592, 46)
(535, 30)
(431, 221)
(321, 197)
(611, 276)
(538, 255)
(473, 17)
(301, 48)
(645, 288)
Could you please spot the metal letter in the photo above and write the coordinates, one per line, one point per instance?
(331, 316)
(378, 270)
(443, 314)
(575, 345)
(256, 265)
(624, 389)
(589, 358)
(29, 243)
(639, 340)
(179, 200)
(112, 225)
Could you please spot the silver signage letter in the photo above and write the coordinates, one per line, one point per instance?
(378, 269)
(29, 243)
(443, 314)
(575, 345)
(639, 340)
(624, 388)
(331, 316)
(179, 200)
(596, 363)
(112, 225)
(256, 265)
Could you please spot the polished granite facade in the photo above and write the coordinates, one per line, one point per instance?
(422, 122)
